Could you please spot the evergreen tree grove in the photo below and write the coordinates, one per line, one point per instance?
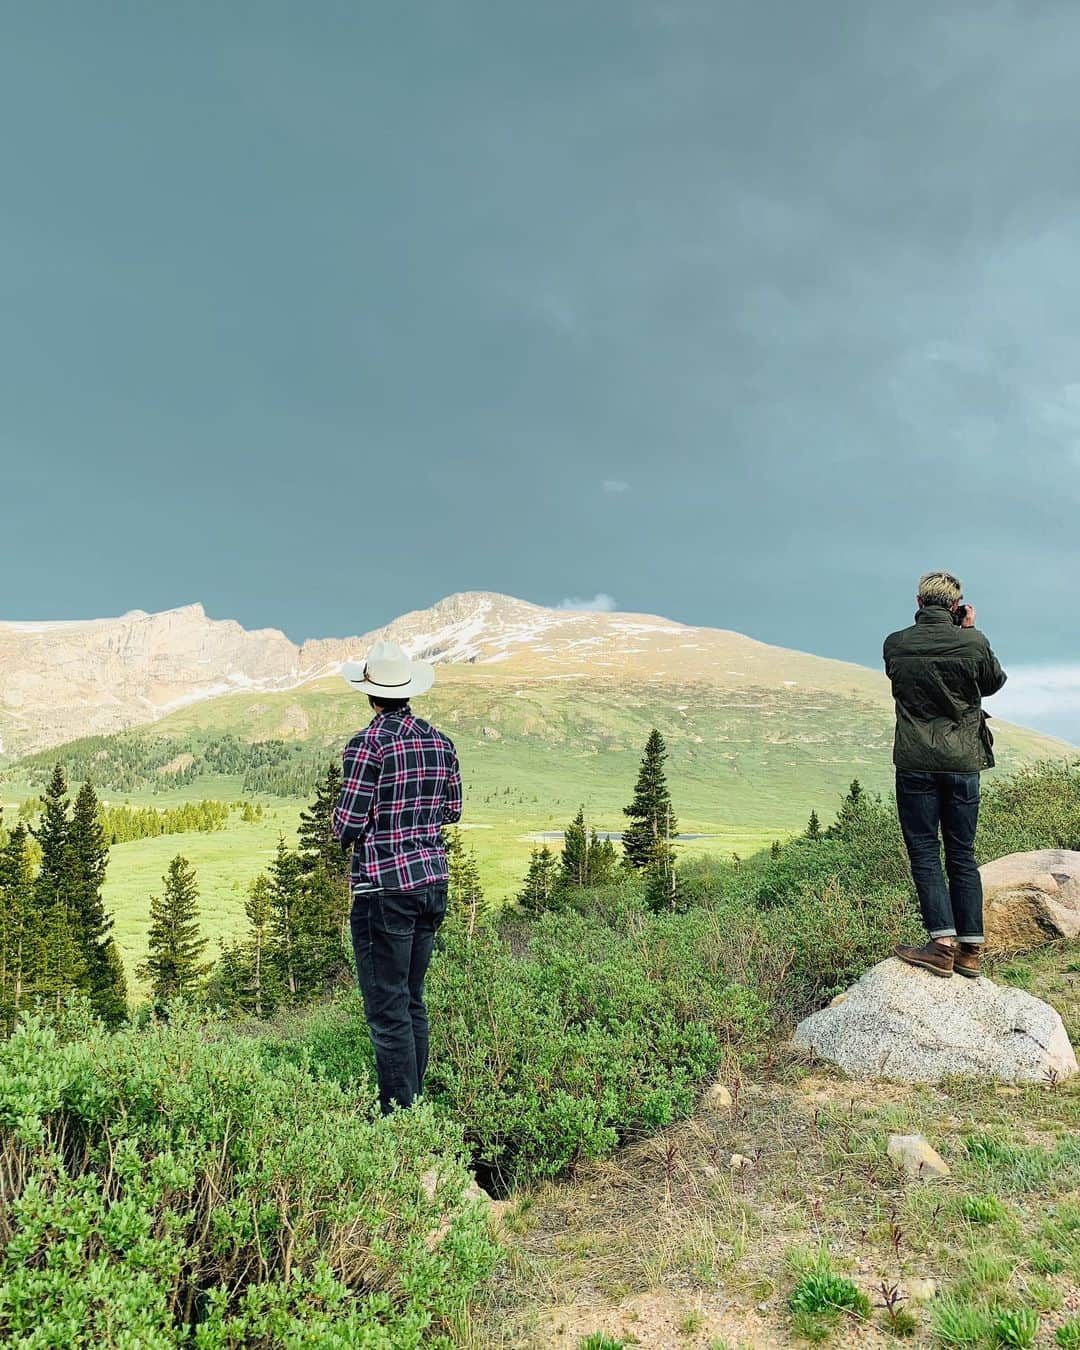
(651, 816)
(174, 964)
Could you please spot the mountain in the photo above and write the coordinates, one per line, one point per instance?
(95, 676)
(518, 680)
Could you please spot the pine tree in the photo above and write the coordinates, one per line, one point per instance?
(661, 881)
(650, 813)
(853, 808)
(88, 856)
(774, 851)
(324, 867)
(19, 938)
(59, 966)
(175, 947)
(813, 828)
(317, 842)
(575, 854)
(539, 891)
(286, 916)
(467, 907)
(259, 909)
(601, 860)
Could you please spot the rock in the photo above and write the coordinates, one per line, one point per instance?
(710, 1171)
(739, 1161)
(835, 1002)
(1030, 899)
(491, 733)
(920, 1291)
(718, 1097)
(904, 1023)
(914, 1155)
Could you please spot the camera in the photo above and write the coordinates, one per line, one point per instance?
(960, 613)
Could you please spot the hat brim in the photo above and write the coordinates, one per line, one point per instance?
(421, 680)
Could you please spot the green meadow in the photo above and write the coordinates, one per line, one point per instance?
(745, 767)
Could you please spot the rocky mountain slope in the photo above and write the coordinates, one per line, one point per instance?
(60, 681)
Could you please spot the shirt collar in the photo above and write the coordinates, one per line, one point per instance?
(391, 712)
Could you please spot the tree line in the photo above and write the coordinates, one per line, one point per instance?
(55, 935)
(586, 860)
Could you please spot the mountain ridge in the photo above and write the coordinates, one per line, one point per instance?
(67, 679)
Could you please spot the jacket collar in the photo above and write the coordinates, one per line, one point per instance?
(933, 614)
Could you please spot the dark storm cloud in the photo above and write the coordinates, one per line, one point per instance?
(803, 278)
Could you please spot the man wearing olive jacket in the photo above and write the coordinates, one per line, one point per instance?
(941, 669)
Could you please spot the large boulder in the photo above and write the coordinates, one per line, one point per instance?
(1031, 898)
(902, 1022)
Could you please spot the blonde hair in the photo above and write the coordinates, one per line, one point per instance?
(940, 588)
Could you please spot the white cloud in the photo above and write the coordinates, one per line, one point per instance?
(615, 485)
(1045, 697)
(600, 601)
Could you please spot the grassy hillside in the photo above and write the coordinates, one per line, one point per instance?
(746, 765)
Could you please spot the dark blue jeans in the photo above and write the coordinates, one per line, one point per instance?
(393, 933)
(947, 802)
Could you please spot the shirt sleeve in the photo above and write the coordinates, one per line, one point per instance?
(361, 763)
(452, 799)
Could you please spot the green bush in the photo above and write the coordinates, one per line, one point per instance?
(165, 1188)
(588, 1037)
(1068, 1334)
(1035, 807)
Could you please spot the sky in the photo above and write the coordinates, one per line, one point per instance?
(742, 313)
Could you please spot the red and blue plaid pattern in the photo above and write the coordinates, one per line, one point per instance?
(402, 785)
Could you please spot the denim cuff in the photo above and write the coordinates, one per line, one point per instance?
(943, 932)
(972, 941)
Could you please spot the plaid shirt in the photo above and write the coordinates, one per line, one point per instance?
(402, 785)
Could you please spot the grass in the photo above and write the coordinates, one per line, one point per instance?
(1000, 1237)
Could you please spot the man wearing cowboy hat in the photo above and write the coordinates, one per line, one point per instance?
(401, 785)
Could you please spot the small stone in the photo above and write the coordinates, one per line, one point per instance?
(711, 1171)
(739, 1161)
(920, 1291)
(718, 1097)
(837, 1000)
(916, 1158)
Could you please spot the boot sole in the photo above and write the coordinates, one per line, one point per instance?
(967, 974)
(925, 965)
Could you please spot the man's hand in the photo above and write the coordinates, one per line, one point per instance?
(969, 618)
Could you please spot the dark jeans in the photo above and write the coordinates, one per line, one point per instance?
(949, 802)
(393, 933)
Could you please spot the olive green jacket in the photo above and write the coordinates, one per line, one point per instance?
(940, 674)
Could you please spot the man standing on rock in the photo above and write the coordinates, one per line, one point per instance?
(941, 669)
(401, 785)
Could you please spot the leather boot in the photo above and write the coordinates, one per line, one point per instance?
(935, 957)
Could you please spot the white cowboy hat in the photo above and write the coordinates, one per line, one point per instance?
(388, 673)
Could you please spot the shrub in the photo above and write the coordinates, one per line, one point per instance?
(1035, 807)
(167, 1189)
(590, 1036)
